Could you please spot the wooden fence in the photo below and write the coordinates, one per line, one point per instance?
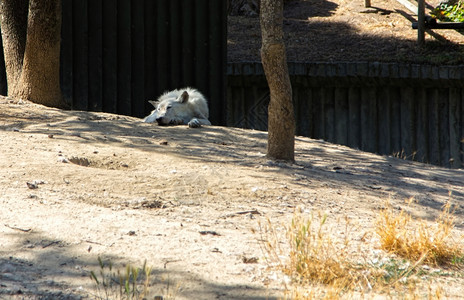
(413, 111)
(115, 55)
(118, 54)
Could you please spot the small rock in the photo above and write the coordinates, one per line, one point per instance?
(209, 232)
(63, 159)
(250, 260)
(32, 185)
(80, 161)
(374, 187)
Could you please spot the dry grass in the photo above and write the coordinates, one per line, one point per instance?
(315, 257)
(319, 266)
(418, 241)
(312, 258)
(132, 284)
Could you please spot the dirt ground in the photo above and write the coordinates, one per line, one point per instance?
(78, 185)
(344, 30)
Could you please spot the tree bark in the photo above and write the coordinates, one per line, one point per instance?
(14, 29)
(31, 32)
(40, 76)
(281, 119)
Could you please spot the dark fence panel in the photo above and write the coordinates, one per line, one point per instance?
(118, 54)
(411, 111)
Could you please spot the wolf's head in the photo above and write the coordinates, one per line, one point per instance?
(172, 111)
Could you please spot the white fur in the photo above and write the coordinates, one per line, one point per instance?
(180, 107)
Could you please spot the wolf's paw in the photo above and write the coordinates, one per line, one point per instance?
(150, 119)
(176, 122)
(194, 123)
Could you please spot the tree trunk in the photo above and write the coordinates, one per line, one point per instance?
(281, 119)
(14, 29)
(40, 77)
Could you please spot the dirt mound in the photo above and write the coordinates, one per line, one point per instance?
(189, 201)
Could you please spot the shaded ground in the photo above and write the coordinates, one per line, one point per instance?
(344, 30)
(77, 185)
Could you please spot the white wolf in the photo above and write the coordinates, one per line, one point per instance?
(180, 107)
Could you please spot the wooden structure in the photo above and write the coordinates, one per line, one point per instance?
(425, 22)
(419, 10)
(411, 111)
(421, 18)
(421, 22)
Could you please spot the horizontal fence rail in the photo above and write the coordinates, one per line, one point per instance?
(411, 111)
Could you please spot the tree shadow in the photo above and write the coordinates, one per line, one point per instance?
(38, 277)
(308, 9)
(316, 160)
(53, 270)
(311, 38)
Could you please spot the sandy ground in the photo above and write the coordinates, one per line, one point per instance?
(78, 185)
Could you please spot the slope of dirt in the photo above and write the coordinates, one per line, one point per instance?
(344, 30)
(78, 185)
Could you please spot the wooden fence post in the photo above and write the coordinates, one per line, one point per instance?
(421, 22)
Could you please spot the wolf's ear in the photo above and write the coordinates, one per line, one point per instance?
(184, 97)
(154, 103)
